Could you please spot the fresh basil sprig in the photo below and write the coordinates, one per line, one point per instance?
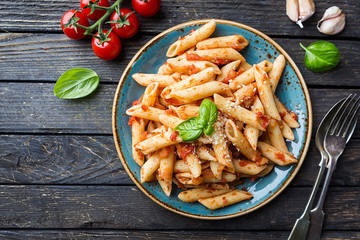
(321, 56)
(193, 128)
(76, 83)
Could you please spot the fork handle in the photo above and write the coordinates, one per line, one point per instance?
(302, 224)
(317, 214)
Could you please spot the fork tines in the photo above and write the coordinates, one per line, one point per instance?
(345, 116)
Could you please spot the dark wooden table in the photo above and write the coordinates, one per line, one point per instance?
(60, 176)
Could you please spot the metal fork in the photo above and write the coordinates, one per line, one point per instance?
(341, 128)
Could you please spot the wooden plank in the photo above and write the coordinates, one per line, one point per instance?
(126, 207)
(60, 160)
(35, 159)
(39, 53)
(166, 235)
(267, 16)
(37, 110)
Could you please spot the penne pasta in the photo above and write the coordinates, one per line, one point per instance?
(208, 177)
(149, 113)
(150, 166)
(185, 111)
(191, 67)
(146, 79)
(251, 133)
(218, 56)
(195, 194)
(165, 69)
(170, 120)
(275, 155)
(150, 95)
(276, 71)
(190, 158)
(225, 199)
(276, 136)
(205, 153)
(165, 185)
(191, 39)
(245, 93)
(286, 131)
(248, 167)
(202, 91)
(265, 93)
(157, 142)
(216, 168)
(137, 129)
(237, 42)
(289, 119)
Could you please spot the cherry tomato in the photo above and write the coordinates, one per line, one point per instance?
(97, 14)
(124, 28)
(109, 49)
(146, 8)
(70, 30)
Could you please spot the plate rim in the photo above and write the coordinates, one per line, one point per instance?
(290, 61)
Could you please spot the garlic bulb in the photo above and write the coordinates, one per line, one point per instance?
(300, 10)
(333, 22)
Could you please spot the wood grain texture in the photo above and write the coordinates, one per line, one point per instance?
(37, 110)
(46, 57)
(91, 160)
(126, 207)
(166, 235)
(267, 16)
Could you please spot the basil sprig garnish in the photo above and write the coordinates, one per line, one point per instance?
(321, 56)
(76, 83)
(192, 128)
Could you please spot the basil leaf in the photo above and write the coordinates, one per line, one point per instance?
(189, 130)
(76, 83)
(321, 56)
(209, 130)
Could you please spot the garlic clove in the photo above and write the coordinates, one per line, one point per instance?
(331, 12)
(332, 26)
(306, 9)
(292, 10)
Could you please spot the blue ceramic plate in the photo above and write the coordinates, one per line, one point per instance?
(291, 90)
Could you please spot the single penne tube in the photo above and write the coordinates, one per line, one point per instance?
(149, 113)
(150, 95)
(191, 159)
(286, 131)
(191, 67)
(218, 186)
(167, 163)
(248, 76)
(208, 177)
(218, 56)
(202, 77)
(157, 142)
(275, 155)
(265, 93)
(165, 69)
(276, 136)
(187, 178)
(137, 129)
(248, 167)
(195, 194)
(237, 42)
(289, 119)
(191, 39)
(245, 92)
(150, 166)
(170, 120)
(225, 199)
(165, 185)
(276, 71)
(234, 134)
(216, 168)
(202, 91)
(228, 70)
(251, 133)
(205, 153)
(185, 111)
(240, 113)
(145, 79)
